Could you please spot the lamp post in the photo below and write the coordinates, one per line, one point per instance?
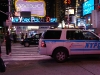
(68, 17)
(9, 15)
(9, 9)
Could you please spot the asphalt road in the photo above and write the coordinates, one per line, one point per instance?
(19, 52)
(47, 66)
(73, 66)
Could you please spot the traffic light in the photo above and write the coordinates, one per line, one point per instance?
(70, 3)
(98, 6)
(67, 1)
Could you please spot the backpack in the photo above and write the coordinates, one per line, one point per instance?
(2, 66)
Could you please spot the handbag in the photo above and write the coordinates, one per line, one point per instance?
(2, 65)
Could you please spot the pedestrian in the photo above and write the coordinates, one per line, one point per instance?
(22, 36)
(26, 35)
(14, 37)
(0, 48)
(8, 44)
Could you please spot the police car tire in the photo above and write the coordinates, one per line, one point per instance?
(26, 44)
(58, 57)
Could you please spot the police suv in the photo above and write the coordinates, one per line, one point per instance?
(62, 43)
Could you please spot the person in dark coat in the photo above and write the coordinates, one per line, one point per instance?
(26, 35)
(0, 50)
(22, 36)
(14, 37)
(8, 43)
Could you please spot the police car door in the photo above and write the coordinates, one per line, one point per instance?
(92, 43)
(75, 42)
(51, 38)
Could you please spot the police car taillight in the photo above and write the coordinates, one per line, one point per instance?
(43, 44)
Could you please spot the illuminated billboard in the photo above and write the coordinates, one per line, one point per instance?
(32, 20)
(88, 6)
(37, 8)
(70, 11)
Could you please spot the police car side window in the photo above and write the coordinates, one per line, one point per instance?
(52, 34)
(89, 36)
(70, 35)
(74, 35)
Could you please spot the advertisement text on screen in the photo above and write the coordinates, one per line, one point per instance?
(32, 19)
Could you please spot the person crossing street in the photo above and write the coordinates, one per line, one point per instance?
(8, 44)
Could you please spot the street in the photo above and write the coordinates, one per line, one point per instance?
(27, 61)
(50, 67)
(19, 52)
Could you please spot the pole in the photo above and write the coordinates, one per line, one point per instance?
(9, 10)
(68, 17)
(9, 1)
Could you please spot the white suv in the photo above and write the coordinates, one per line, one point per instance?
(61, 43)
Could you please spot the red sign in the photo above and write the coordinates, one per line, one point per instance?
(99, 6)
(67, 1)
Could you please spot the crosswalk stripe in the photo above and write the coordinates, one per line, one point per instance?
(22, 53)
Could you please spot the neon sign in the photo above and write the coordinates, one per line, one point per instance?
(88, 7)
(37, 8)
(32, 19)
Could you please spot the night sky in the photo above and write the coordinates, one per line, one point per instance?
(4, 8)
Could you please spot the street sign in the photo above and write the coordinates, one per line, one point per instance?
(8, 23)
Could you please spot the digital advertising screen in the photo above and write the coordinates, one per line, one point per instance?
(70, 11)
(30, 11)
(88, 6)
(36, 7)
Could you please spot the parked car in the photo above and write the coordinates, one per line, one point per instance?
(31, 41)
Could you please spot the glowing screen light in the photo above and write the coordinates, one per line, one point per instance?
(32, 20)
(37, 8)
(88, 6)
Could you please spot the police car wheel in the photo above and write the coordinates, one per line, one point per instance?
(26, 44)
(60, 56)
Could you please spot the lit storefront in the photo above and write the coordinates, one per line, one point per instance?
(30, 17)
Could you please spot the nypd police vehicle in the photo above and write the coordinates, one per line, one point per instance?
(62, 43)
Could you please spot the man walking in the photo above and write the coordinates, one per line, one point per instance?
(8, 44)
(0, 48)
